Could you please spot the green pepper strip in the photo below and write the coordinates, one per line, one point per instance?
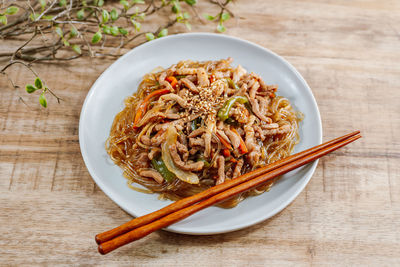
(223, 113)
(194, 124)
(159, 165)
(206, 163)
(232, 84)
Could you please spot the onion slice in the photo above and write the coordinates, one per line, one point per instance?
(186, 176)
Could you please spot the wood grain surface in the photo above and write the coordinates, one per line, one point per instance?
(349, 214)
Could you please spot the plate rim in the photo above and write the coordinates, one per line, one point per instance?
(114, 197)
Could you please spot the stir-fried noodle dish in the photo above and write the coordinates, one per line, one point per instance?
(198, 124)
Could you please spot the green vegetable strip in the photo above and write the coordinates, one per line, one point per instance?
(223, 113)
(195, 123)
(232, 84)
(206, 163)
(159, 165)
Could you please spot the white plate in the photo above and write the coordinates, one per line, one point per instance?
(121, 79)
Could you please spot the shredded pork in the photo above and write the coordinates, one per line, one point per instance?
(209, 121)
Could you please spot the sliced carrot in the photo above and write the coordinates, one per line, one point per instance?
(242, 146)
(226, 152)
(212, 79)
(224, 142)
(233, 160)
(141, 110)
(172, 80)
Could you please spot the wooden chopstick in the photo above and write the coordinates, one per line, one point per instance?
(181, 209)
(183, 203)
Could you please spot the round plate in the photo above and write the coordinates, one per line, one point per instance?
(121, 79)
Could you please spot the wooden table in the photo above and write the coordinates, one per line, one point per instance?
(349, 214)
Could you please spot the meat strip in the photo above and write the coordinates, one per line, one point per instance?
(163, 82)
(238, 73)
(251, 144)
(233, 137)
(196, 142)
(197, 132)
(281, 130)
(190, 85)
(142, 160)
(152, 174)
(253, 89)
(223, 135)
(221, 170)
(186, 71)
(153, 153)
(183, 150)
(194, 166)
(174, 97)
(202, 77)
(256, 109)
(238, 168)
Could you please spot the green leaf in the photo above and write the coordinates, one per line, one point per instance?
(38, 83)
(225, 16)
(65, 42)
(114, 14)
(186, 15)
(42, 100)
(220, 27)
(138, 2)
(114, 30)
(96, 37)
(125, 4)
(48, 17)
(141, 16)
(33, 17)
(77, 49)
(80, 14)
(123, 31)
(106, 29)
(30, 88)
(63, 2)
(100, 3)
(43, 4)
(73, 32)
(59, 31)
(149, 36)
(191, 2)
(208, 17)
(136, 24)
(162, 33)
(105, 16)
(188, 26)
(11, 10)
(3, 19)
(176, 7)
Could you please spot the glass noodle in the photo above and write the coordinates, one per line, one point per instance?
(189, 115)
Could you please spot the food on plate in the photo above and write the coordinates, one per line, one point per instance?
(197, 124)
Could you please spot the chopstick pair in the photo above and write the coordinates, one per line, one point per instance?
(144, 225)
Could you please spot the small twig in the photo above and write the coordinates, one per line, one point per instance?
(22, 46)
(223, 6)
(57, 43)
(26, 104)
(44, 12)
(10, 80)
